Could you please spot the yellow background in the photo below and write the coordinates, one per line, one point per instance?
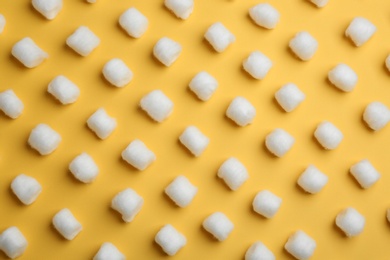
(315, 214)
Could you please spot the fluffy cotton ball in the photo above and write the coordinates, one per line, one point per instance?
(12, 242)
(351, 222)
(264, 15)
(258, 251)
(343, 77)
(300, 245)
(10, 104)
(167, 51)
(360, 30)
(266, 203)
(257, 65)
(279, 142)
(181, 8)
(219, 37)
(48, 8)
(365, 173)
(108, 251)
(101, 123)
(44, 139)
(195, 141)
(219, 225)
(312, 180)
(170, 240)
(63, 90)
(2, 23)
(117, 73)
(203, 85)
(26, 188)
(181, 191)
(328, 135)
(233, 172)
(128, 203)
(304, 45)
(28, 53)
(289, 97)
(376, 115)
(138, 155)
(319, 3)
(134, 22)
(83, 41)
(66, 224)
(157, 105)
(241, 111)
(84, 168)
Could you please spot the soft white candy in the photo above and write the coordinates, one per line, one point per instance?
(26, 188)
(387, 62)
(351, 222)
(279, 142)
(365, 173)
(128, 203)
(66, 224)
(167, 51)
(44, 139)
(312, 180)
(83, 41)
(84, 168)
(258, 251)
(170, 240)
(108, 251)
(157, 105)
(319, 3)
(257, 65)
(343, 77)
(219, 225)
(10, 104)
(28, 53)
(264, 15)
(328, 135)
(12, 242)
(134, 22)
(63, 90)
(181, 191)
(138, 155)
(2, 23)
(219, 37)
(266, 203)
(241, 111)
(376, 115)
(117, 73)
(360, 30)
(304, 45)
(289, 97)
(300, 245)
(48, 8)
(203, 85)
(181, 8)
(101, 123)
(195, 141)
(233, 172)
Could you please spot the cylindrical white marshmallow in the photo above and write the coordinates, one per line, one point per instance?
(170, 240)
(343, 77)
(138, 155)
(266, 203)
(365, 173)
(101, 123)
(181, 8)
(387, 62)
(28, 53)
(134, 22)
(63, 90)
(167, 51)
(128, 203)
(48, 8)
(328, 135)
(66, 224)
(319, 3)
(44, 139)
(257, 65)
(219, 225)
(351, 222)
(10, 104)
(26, 188)
(241, 111)
(300, 245)
(219, 37)
(157, 105)
(360, 30)
(203, 85)
(181, 191)
(117, 73)
(108, 251)
(84, 168)
(376, 115)
(264, 15)
(304, 45)
(312, 180)
(12, 242)
(2, 23)
(83, 41)
(233, 172)
(289, 97)
(258, 251)
(194, 140)
(279, 142)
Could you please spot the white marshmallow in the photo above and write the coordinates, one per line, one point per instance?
(219, 225)
(66, 224)
(320, 3)
(12, 242)
(360, 30)
(312, 180)
(134, 22)
(10, 104)
(28, 53)
(108, 251)
(233, 172)
(304, 45)
(300, 245)
(365, 173)
(376, 115)
(48, 8)
(258, 251)
(351, 222)
(91, 1)
(167, 51)
(181, 191)
(387, 62)
(343, 77)
(128, 203)
(101, 123)
(170, 240)
(138, 155)
(264, 15)
(194, 140)
(157, 105)
(63, 90)
(203, 85)
(219, 37)
(117, 73)
(266, 203)
(181, 8)
(44, 139)
(84, 168)
(328, 135)
(83, 41)
(26, 188)
(279, 142)
(388, 215)
(257, 65)
(289, 97)
(2, 23)
(241, 111)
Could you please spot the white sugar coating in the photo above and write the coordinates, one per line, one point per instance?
(264, 15)
(300, 245)
(289, 97)
(181, 191)
(266, 203)
(84, 168)
(219, 37)
(66, 224)
(279, 142)
(219, 225)
(233, 172)
(167, 51)
(138, 155)
(365, 173)
(108, 251)
(48, 8)
(44, 139)
(241, 111)
(360, 30)
(170, 240)
(83, 41)
(101, 123)
(2, 23)
(328, 135)
(64, 90)
(10, 104)
(376, 115)
(117, 73)
(28, 53)
(12, 242)
(134, 22)
(351, 222)
(203, 85)
(128, 203)
(26, 188)
(195, 141)
(257, 65)
(181, 8)
(320, 3)
(304, 45)
(387, 62)
(343, 77)
(157, 105)
(312, 180)
(258, 251)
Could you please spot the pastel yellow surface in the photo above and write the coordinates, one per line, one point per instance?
(315, 214)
